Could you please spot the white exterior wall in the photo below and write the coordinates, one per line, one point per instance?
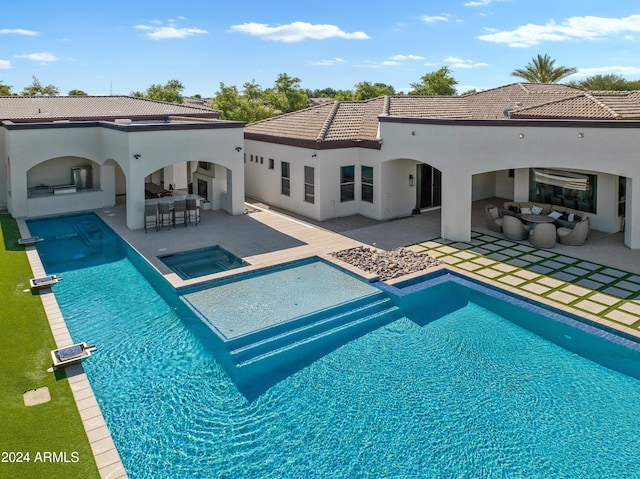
(105, 147)
(460, 152)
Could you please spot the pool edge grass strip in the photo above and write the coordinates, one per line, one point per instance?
(52, 432)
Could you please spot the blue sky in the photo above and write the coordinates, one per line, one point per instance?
(122, 46)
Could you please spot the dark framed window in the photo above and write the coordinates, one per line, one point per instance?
(347, 183)
(285, 178)
(367, 183)
(309, 184)
(204, 165)
(271, 164)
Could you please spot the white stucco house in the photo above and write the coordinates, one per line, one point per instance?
(64, 154)
(393, 156)
(383, 158)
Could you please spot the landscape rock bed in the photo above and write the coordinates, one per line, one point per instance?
(386, 264)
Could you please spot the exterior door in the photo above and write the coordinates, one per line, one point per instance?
(429, 187)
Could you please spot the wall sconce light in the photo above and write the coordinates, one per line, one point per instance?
(580, 135)
(314, 155)
(238, 148)
(413, 133)
(412, 180)
(137, 156)
(521, 136)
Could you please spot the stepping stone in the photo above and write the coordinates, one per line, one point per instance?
(540, 269)
(531, 258)
(33, 397)
(628, 286)
(602, 278)
(491, 247)
(551, 263)
(498, 256)
(518, 262)
(620, 293)
(565, 259)
(575, 270)
(589, 266)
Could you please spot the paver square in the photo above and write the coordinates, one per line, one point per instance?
(531, 258)
(563, 276)
(507, 268)
(551, 263)
(577, 271)
(540, 269)
(465, 255)
(632, 308)
(447, 249)
(489, 273)
(590, 306)
(620, 293)
(483, 261)
(628, 285)
(634, 278)
(518, 262)
(561, 297)
(601, 278)
(577, 290)
(536, 288)
(460, 245)
(587, 283)
(523, 273)
(616, 273)
(468, 266)
(544, 254)
(622, 317)
(565, 259)
(506, 244)
(524, 248)
(511, 252)
(491, 247)
(487, 238)
(512, 280)
(589, 266)
(550, 282)
(480, 250)
(604, 299)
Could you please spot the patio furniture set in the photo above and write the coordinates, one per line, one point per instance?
(542, 224)
(169, 211)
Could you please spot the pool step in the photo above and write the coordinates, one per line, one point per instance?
(312, 337)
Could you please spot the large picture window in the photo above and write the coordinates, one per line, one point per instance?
(347, 183)
(285, 180)
(367, 184)
(570, 189)
(309, 184)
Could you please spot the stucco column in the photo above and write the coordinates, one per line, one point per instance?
(521, 184)
(17, 204)
(235, 193)
(632, 214)
(455, 223)
(135, 200)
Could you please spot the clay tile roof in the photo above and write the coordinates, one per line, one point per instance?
(50, 108)
(429, 107)
(591, 105)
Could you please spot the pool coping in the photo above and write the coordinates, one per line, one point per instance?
(105, 453)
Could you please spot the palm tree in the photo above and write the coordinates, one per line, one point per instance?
(541, 70)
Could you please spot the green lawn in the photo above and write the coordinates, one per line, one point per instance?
(25, 343)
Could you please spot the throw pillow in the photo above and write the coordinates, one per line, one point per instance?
(525, 211)
(494, 212)
(572, 217)
(555, 215)
(536, 210)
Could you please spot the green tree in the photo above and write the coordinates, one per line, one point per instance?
(170, 92)
(36, 89)
(248, 106)
(344, 95)
(541, 69)
(321, 93)
(77, 93)
(439, 82)
(286, 94)
(366, 90)
(604, 82)
(5, 90)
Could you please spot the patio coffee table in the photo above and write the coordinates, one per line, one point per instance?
(533, 219)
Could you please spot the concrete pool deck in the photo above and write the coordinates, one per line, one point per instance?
(267, 237)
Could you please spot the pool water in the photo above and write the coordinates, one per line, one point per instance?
(201, 262)
(464, 393)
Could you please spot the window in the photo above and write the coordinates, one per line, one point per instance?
(261, 160)
(204, 165)
(251, 158)
(271, 166)
(367, 183)
(285, 180)
(347, 183)
(573, 190)
(309, 184)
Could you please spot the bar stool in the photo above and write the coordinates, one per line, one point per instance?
(180, 210)
(164, 214)
(193, 211)
(150, 216)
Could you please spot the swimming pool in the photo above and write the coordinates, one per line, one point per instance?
(452, 390)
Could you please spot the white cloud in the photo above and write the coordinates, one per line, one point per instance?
(19, 31)
(455, 62)
(406, 57)
(331, 61)
(5, 64)
(389, 63)
(615, 69)
(434, 19)
(574, 28)
(169, 31)
(296, 32)
(480, 3)
(39, 57)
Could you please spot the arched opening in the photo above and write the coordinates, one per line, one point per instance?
(67, 174)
